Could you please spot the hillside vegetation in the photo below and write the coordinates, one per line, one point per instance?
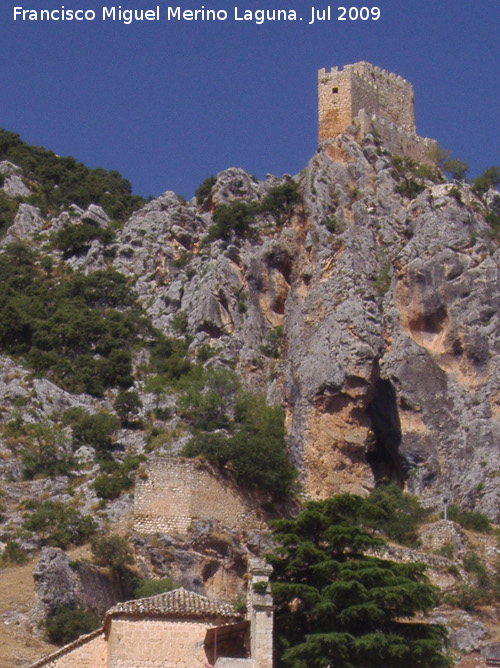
(334, 332)
(61, 181)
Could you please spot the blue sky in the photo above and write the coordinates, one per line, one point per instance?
(168, 103)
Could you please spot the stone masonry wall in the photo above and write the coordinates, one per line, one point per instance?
(176, 492)
(157, 643)
(335, 111)
(342, 93)
(371, 99)
(399, 141)
(260, 614)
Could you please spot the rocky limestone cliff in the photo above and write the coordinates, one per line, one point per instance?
(386, 308)
(367, 308)
(389, 308)
(392, 337)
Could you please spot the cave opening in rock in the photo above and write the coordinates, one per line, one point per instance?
(383, 454)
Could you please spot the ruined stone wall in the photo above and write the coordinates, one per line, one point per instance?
(399, 141)
(176, 492)
(156, 643)
(387, 95)
(342, 93)
(87, 652)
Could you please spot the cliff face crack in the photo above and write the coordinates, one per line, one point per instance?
(383, 454)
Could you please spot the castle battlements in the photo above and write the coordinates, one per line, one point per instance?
(363, 69)
(377, 99)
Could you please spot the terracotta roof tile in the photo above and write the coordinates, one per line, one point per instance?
(176, 603)
(67, 648)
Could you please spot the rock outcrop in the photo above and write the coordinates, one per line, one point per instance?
(61, 583)
(382, 307)
(366, 306)
(389, 309)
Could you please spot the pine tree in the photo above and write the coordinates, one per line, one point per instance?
(337, 607)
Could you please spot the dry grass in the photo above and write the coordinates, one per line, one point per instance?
(18, 645)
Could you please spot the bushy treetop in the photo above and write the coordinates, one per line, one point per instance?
(338, 607)
(75, 182)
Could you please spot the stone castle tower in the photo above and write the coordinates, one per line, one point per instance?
(371, 99)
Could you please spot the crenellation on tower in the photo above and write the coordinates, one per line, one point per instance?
(351, 94)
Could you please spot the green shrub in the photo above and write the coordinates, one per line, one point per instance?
(162, 413)
(395, 513)
(259, 453)
(95, 430)
(242, 303)
(205, 352)
(272, 347)
(144, 587)
(474, 521)
(465, 597)
(456, 168)
(333, 225)
(128, 405)
(354, 193)
(180, 322)
(183, 259)
(489, 178)
(426, 172)
(214, 447)
(493, 220)
(47, 452)
(382, 281)
(409, 188)
(116, 478)
(15, 429)
(255, 450)
(240, 604)
(456, 194)
(207, 397)
(110, 486)
(13, 553)
(409, 175)
(473, 564)
(76, 240)
(447, 550)
(280, 201)
(236, 217)
(60, 525)
(114, 551)
(116, 370)
(8, 210)
(484, 590)
(102, 289)
(169, 358)
(204, 189)
(68, 623)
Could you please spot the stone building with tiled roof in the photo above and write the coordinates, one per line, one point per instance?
(177, 629)
(179, 602)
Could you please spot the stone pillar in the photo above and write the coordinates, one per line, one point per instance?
(260, 613)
